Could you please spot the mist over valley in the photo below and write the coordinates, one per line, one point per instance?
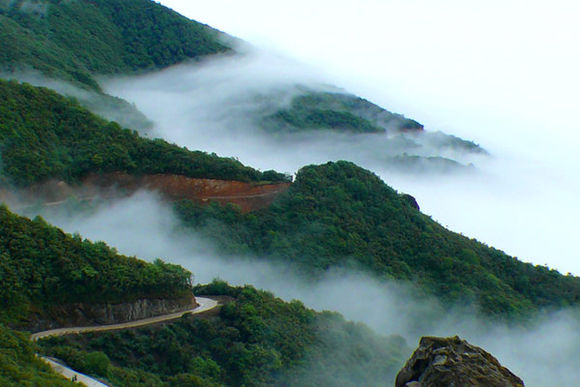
(336, 197)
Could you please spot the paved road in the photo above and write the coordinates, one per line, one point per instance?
(205, 304)
(71, 374)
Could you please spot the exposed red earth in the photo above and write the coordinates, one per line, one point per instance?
(248, 196)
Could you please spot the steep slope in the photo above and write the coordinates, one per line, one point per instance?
(49, 277)
(44, 135)
(340, 215)
(254, 340)
(64, 45)
(73, 40)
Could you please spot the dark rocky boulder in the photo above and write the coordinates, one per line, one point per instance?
(445, 362)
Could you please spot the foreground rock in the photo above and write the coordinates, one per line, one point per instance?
(440, 362)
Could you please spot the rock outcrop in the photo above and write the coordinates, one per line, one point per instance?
(444, 362)
(72, 315)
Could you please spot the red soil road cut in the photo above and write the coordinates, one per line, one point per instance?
(248, 196)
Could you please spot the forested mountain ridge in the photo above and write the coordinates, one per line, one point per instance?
(74, 40)
(45, 135)
(333, 215)
(340, 215)
(254, 340)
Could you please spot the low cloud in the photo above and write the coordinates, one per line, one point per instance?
(521, 199)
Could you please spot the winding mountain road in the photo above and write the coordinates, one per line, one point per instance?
(205, 304)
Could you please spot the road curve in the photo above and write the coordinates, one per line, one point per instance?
(71, 374)
(205, 304)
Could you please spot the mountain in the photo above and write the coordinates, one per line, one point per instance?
(76, 40)
(46, 136)
(49, 278)
(19, 365)
(70, 45)
(341, 215)
(333, 216)
(254, 340)
(66, 45)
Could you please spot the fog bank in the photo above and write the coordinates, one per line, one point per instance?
(501, 73)
(522, 199)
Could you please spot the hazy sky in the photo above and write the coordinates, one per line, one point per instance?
(501, 73)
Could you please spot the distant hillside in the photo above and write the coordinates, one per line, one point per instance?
(44, 135)
(336, 111)
(340, 215)
(254, 340)
(74, 40)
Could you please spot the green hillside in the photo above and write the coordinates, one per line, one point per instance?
(44, 135)
(42, 267)
(255, 340)
(73, 40)
(340, 215)
(336, 111)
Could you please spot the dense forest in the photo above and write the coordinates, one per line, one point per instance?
(45, 135)
(254, 340)
(42, 267)
(73, 40)
(341, 215)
